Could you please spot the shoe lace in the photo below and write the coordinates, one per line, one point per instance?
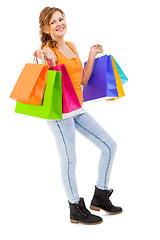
(108, 194)
(85, 211)
(82, 209)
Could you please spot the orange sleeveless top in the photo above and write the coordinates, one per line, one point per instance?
(74, 68)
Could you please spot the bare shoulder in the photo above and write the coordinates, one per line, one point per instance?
(74, 47)
(50, 52)
(72, 44)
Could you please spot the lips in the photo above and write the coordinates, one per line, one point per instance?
(60, 29)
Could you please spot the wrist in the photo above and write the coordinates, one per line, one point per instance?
(91, 56)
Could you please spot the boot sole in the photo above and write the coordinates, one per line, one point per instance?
(76, 221)
(98, 209)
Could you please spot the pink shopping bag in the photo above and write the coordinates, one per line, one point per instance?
(70, 101)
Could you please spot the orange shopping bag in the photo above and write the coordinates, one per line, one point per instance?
(30, 85)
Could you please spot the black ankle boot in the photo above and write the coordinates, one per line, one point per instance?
(101, 201)
(80, 214)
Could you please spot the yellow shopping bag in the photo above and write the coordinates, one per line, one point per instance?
(118, 82)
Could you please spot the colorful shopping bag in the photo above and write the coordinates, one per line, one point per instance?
(118, 81)
(30, 85)
(123, 77)
(51, 107)
(102, 83)
(70, 101)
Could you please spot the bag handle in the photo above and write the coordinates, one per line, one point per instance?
(45, 60)
(98, 54)
(35, 60)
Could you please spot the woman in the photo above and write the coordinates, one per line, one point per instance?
(52, 30)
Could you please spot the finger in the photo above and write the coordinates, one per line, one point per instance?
(99, 45)
(100, 48)
(35, 54)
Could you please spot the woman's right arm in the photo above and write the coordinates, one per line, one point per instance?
(49, 53)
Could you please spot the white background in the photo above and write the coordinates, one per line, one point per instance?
(33, 204)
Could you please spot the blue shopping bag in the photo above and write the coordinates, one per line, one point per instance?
(102, 83)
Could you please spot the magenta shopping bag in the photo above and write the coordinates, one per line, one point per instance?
(70, 101)
(102, 83)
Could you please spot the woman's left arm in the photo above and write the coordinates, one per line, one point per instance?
(87, 71)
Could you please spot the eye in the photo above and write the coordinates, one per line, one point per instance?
(59, 20)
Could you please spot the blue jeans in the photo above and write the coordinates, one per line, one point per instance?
(64, 133)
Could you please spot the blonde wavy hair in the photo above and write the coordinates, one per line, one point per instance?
(44, 19)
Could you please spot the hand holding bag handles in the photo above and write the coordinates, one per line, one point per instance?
(51, 105)
(105, 82)
(59, 96)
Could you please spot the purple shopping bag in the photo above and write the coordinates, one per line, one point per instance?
(102, 83)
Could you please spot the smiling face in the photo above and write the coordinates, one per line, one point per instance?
(57, 26)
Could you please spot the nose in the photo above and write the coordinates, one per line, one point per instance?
(59, 23)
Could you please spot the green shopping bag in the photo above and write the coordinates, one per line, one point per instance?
(51, 107)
